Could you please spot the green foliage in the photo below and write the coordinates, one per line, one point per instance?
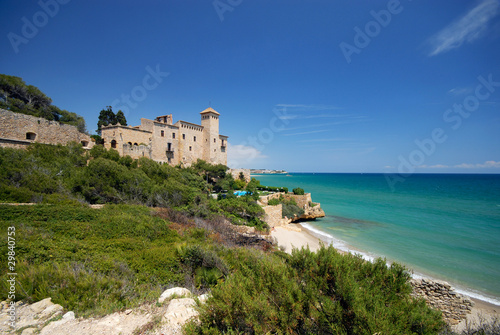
(91, 261)
(238, 184)
(18, 97)
(315, 293)
(108, 117)
(274, 202)
(298, 191)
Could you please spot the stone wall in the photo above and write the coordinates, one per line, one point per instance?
(301, 200)
(19, 130)
(273, 215)
(236, 174)
(441, 296)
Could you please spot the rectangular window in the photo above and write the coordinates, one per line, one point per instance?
(190, 148)
(183, 136)
(194, 138)
(215, 140)
(169, 146)
(173, 135)
(162, 133)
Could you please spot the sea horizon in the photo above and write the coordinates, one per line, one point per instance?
(442, 226)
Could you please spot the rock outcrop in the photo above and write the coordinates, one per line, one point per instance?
(47, 318)
(441, 296)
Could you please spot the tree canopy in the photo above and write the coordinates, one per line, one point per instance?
(17, 96)
(107, 117)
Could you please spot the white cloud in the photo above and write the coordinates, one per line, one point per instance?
(240, 155)
(468, 28)
(487, 164)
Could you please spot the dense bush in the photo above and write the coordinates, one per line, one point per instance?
(298, 191)
(315, 293)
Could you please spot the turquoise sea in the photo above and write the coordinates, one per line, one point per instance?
(442, 226)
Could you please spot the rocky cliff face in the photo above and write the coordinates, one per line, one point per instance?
(312, 212)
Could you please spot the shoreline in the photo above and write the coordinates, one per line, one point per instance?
(298, 236)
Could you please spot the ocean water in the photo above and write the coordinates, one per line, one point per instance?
(442, 226)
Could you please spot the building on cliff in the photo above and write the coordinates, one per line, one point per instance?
(163, 141)
(20, 130)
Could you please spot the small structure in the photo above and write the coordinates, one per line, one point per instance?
(163, 141)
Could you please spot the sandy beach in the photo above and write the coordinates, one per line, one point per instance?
(295, 236)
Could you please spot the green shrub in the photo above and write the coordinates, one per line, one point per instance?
(315, 293)
(298, 191)
(273, 202)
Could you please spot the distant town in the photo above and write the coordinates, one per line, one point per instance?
(265, 171)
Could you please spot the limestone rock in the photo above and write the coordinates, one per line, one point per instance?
(176, 291)
(179, 311)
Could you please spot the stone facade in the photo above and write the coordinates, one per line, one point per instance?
(20, 130)
(163, 141)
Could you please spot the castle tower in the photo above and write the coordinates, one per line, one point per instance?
(211, 141)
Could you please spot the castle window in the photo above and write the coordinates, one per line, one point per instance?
(30, 136)
(113, 144)
(162, 133)
(84, 143)
(183, 136)
(194, 138)
(130, 143)
(169, 146)
(135, 144)
(173, 135)
(190, 148)
(215, 140)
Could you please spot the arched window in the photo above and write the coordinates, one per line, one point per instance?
(113, 144)
(130, 143)
(84, 143)
(30, 136)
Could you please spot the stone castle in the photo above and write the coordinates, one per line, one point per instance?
(163, 141)
(20, 130)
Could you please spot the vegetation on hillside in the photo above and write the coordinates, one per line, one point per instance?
(18, 97)
(50, 174)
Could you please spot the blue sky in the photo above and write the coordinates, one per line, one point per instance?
(325, 86)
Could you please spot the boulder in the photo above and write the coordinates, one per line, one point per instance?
(176, 291)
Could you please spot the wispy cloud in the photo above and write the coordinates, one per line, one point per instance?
(467, 28)
(307, 132)
(487, 164)
(309, 107)
(460, 91)
(325, 140)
